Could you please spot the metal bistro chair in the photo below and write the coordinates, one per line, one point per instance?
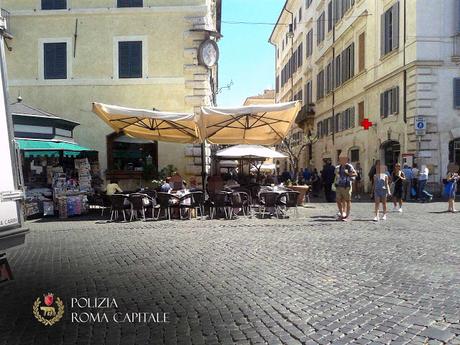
(139, 204)
(222, 200)
(117, 204)
(269, 200)
(242, 200)
(288, 200)
(167, 201)
(197, 200)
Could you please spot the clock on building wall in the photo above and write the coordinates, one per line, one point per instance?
(208, 53)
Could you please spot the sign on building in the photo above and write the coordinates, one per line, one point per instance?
(420, 125)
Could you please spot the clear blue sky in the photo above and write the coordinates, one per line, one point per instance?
(246, 57)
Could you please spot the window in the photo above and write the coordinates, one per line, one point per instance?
(330, 15)
(320, 31)
(300, 14)
(389, 102)
(348, 63)
(308, 93)
(457, 93)
(338, 71)
(354, 155)
(345, 120)
(54, 4)
(337, 4)
(300, 55)
(130, 59)
(308, 3)
(330, 126)
(360, 112)
(130, 3)
(320, 85)
(390, 29)
(55, 60)
(295, 23)
(277, 85)
(309, 43)
(325, 127)
(362, 52)
(346, 5)
(298, 96)
(329, 77)
(319, 129)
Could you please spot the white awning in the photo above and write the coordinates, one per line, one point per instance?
(249, 151)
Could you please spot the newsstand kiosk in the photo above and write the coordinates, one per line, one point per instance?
(12, 231)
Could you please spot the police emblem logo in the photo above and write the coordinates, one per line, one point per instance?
(48, 310)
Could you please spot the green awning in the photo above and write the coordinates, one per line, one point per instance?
(36, 148)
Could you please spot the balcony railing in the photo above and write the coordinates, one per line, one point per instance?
(306, 114)
(6, 19)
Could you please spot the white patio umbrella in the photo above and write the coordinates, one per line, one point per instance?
(149, 124)
(264, 124)
(249, 152)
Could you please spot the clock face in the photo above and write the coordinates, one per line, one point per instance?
(209, 53)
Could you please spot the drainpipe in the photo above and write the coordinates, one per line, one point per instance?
(404, 65)
(291, 33)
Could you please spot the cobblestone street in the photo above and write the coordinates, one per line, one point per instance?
(308, 280)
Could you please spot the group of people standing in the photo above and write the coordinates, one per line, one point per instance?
(401, 184)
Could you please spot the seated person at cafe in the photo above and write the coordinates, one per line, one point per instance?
(113, 188)
(231, 182)
(166, 187)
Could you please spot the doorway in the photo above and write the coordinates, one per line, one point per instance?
(454, 151)
(391, 151)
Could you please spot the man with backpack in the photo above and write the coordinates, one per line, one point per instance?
(344, 176)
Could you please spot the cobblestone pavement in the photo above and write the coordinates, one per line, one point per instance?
(308, 280)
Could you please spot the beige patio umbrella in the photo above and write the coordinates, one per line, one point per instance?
(266, 124)
(149, 124)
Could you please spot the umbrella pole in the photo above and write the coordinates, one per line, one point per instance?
(203, 165)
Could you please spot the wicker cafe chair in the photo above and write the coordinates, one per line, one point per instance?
(269, 200)
(166, 202)
(139, 204)
(288, 200)
(221, 201)
(197, 200)
(241, 200)
(117, 204)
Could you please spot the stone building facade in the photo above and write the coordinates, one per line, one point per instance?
(392, 62)
(66, 54)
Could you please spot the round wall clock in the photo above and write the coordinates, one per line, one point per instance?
(208, 53)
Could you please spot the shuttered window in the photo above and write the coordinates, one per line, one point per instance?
(345, 120)
(130, 3)
(360, 112)
(130, 59)
(330, 126)
(330, 16)
(54, 4)
(309, 44)
(329, 77)
(354, 155)
(348, 63)
(320, 85)
(362, 52)
(308, 3)
(308, 93)
(55, 60)
(457, 93)
(389, 35)
(277, 84)
(300, 55)
(320, 31)
(319, 129)
(389, 102)
(337, 127)
(338, 71)
(300, 14)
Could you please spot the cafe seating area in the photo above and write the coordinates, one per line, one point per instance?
(225, 203)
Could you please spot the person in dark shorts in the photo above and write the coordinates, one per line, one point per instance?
(397, 177)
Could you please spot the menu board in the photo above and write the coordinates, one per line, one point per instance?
(8, 209)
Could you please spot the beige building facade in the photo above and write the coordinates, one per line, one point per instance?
(66, 54)
(392, 62)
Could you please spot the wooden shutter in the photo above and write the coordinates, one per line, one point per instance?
(395, 100)
(54, 4)
(382, 35)
(130, 59)
(382, 105)
(361, 112)
(330, 15)
(55, 60)
(352, 60)
(395, 24)
(129, 3)
(338, 71)
(456, 92)
(361, 52)
(352, 117)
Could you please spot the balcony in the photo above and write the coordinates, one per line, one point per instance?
(306, 116)
(5, 15)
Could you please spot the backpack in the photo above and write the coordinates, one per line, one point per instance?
(344, 180)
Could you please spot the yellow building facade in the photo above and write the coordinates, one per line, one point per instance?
(139, 54)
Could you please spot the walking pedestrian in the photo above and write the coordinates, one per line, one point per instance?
(381, 192)
(327, 176)
(407, 183)
(357, 185)
(371, 175)
(450, 188)
(422, 194)
(315, 183)
(414, 187)
(344, 176)
(398, 177)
